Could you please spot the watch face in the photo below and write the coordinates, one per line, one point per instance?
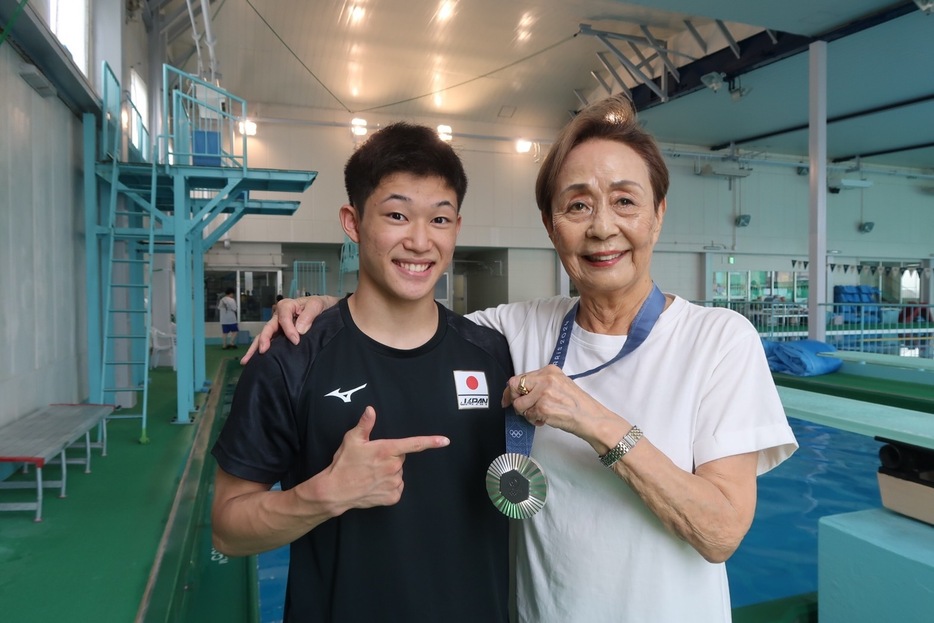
(516, 485)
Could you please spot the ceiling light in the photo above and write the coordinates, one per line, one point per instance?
(925, 5)
(446, 10)
(445, 133)
(866, 227)
(837, 183)
(739, 93)
(713, 80)
(358, 126)
(523, 146)
(247, 127)
(737, 90)
(357, 13)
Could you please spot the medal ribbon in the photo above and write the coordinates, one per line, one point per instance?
(519, 431)
(642, 325)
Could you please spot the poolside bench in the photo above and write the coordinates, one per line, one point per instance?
(43, 436)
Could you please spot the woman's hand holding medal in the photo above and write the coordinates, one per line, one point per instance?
(548, 396)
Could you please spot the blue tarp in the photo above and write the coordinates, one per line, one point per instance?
(800, 358)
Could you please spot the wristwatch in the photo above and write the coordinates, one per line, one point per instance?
(625, 444)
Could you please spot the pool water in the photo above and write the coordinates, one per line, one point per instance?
(832, 472)
(272, 575)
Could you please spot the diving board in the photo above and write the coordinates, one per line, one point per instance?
(44, 435)
(856, 416)
(880, 359)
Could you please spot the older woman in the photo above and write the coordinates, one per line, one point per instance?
(675, 399)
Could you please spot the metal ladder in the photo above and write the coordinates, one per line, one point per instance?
(127, 285)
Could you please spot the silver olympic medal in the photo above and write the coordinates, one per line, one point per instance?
(517, 485)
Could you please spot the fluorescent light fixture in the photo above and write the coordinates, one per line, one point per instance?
(523, 146)
(358, 126)
(445, 133)
(247, 127)
(723, 169)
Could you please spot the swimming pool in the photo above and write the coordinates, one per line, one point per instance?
(832, 472)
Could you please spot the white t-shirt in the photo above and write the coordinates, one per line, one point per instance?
(227, 307)
(700, 389)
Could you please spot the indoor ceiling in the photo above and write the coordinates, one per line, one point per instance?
(524, 65)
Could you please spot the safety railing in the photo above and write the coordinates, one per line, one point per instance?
(111, 122)
(906, 330)
(139, 146)
(308, 278)
(201, 122)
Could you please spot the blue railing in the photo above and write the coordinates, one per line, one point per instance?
(201, 123)
(111, 122)
(139, 145)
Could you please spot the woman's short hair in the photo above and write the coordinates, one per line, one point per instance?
(612, 119)
(402, 148)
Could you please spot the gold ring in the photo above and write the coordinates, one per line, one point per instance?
(522, 389)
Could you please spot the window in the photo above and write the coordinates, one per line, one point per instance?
(255, 291)
(139, 119)
(68, 20)
(757, 285)
(911, 285)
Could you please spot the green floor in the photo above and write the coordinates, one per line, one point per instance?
(91, 556)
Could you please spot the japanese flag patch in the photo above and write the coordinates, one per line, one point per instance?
(472, 391)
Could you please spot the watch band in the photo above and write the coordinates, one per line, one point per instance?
(625, 444)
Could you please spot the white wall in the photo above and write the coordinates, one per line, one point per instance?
(532, 273)
(43, 345)
(500, 211)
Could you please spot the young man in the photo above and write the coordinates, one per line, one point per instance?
(227, 308)
(386, 376)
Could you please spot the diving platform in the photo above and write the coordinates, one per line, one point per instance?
(180, 194)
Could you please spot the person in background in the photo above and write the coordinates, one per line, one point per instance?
(227, 310)
(654, 415)
(388, 376)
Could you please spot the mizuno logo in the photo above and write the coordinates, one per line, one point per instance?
(345, 396)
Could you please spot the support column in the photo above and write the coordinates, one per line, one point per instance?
(184, 319)
(197, 280)
(817, 148)
(92, 259)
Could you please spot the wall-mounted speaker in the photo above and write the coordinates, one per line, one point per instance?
(866, 227)
(742, 220)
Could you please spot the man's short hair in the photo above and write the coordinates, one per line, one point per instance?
(402, 148)
(229, 291)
